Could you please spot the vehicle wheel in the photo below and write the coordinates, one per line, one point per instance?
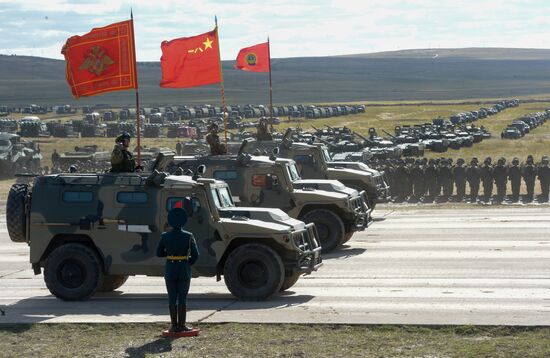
(15, 212)
(253, 272)
(329, 227)
(112, 282)
(289, 281)
(73, 272)
(347, 237)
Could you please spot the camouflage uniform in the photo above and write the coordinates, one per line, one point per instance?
(473, 177)
(180, 249)
(213, 140)
(262, 130)
(417, 179)
(544, 177)
(431, 180)
(121, 158)
(529, 173)
(514, 174)
(446, 180)
(500, 173)
(486, 173)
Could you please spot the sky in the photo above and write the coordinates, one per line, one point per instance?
(297, 28)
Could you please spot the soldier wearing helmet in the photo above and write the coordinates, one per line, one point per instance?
(514, 174)
(459, 177)
(473, 176)
(417, 179)
(500, 173)
(121, 157)
(487, 179)
(430, 175)
(213, 140)
(529, 173)
(544, 178)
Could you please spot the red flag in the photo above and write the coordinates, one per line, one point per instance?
(102, 60)
(254, 58)
(191, 61)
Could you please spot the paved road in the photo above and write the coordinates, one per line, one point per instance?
(412, 266)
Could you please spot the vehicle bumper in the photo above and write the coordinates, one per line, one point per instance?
(309, 244)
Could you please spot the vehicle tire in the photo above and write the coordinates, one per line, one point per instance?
(329, 227)
(112, 282)
(15, 212)
(73, 272)
(289, 281)
(253, 272)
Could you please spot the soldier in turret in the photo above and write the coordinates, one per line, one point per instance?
(473, 177)
(486, 173)
(529, 173)
(514, 174)
(121, 157)
(500, 173)
(459, 177)
(544, 178)
(213, 140)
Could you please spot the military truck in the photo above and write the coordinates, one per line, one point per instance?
(17, 156)
(89, 232)
(336, 210)
(314, 162)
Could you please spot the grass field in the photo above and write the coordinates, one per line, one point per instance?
(261, 340)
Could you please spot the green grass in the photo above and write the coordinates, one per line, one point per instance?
(270, 340)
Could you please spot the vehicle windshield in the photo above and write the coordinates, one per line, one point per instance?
(4, 143)
(293, 172)
(222, 198)
(326, 155)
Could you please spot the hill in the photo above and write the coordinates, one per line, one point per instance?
(428, 74)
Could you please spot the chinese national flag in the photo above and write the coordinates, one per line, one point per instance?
(191, 61)
(102, 60)
(254, 58)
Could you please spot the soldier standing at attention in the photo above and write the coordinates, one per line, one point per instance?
(431, 181)
(473, 177)
(417, 178)
(459, 176)
(500, 173)
(213, 140)
(544, 177)
(487, 179)
(446, 179)
(529, 173)
(514, 174)
(55, 158)
(121, 157)
(181, 252)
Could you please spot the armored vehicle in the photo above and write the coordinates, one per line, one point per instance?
(17, 156)
(336, 210)
(315, 162)
(89, 232)
(87, 153)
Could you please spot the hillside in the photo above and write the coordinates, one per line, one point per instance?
(388, 76)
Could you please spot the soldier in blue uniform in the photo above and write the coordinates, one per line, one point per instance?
(181, 252)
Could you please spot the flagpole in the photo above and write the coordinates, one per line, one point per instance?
(137, 94)
(270, 86)
(222, 90)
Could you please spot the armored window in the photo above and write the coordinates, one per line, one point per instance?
(77, 196)
(225, 174)
(303, 159)
(129, 197)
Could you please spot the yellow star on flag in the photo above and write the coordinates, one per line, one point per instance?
(207, 43)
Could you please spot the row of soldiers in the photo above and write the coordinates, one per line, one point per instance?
(437, 179)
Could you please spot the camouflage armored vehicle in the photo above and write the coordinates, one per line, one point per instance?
(89, 232)
(336, 210)
(315, 162)
(17, 156)
(87, 153)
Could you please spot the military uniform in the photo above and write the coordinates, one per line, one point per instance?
(486, 173)
(473, 177)
(181, 252)
(262, 130)
(216, 148)
(500, 173)
(514, 174)
(417, 179)
(459, 177)
(529, 173)
(430, 175)
(445, 180)
(121, 160)
(544, 178)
